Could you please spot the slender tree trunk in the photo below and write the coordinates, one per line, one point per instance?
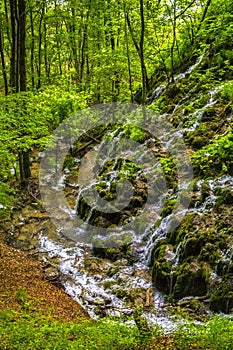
(7, 21)
(24, 162)
(22, 48)
(87, 67)
(47, 67)
(74, 43)
(3, 62)
(128, 57)
(14, 47)
(142, 61)
(208, 3)
(39, 47)
(84, 44)
(140, 50)
(58, 41)
(173, 40)
(32, 49)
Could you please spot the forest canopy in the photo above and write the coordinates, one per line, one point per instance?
(60, 56)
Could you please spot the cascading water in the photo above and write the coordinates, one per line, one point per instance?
(196, 117)
(161, 88)
(106, 287)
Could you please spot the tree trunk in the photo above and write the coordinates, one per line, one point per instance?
(14, 47)
(32, 49)
(3, 62)
(128, 57)
(74, 43)
(208, 3)
(58, 44)
(84, 43)
(7, 21)
(39, 47)
(24, 162)
(142, 61)
(47, 66)
(140, 50)
(22, 48)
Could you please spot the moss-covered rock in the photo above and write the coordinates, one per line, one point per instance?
(225, 196)
(192, 280)
(222, 297)
(192, 247)
(161, 276)
(161, 271)
(194, 257)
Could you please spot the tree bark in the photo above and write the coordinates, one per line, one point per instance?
(74, 43)
(208, 3)
(39, 47)
(46, 62)
(14, 47)
(3, 62)
(140, 50)
(22, 48)
(84, 43)
(24, 162)
(142, 61)
(128, 57)
(32, 49)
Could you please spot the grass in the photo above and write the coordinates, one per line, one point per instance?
(217, 334)
(21, 330)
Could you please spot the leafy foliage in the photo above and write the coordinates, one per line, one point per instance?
(37, 332)
(217, 334)
(216, 158)
(25, 331)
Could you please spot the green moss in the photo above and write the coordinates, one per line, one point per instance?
(192, 279)
(210, 253)
(222, 298)
(185, 227)
(68, 162)
(205, 191)
(225, 196)
(192, 247)
(161, 276)
(168, 207)
(135, 133)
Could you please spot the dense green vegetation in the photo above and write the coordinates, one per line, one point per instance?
(74, 55)
(37, 332)
(58, 57)
(25, 331)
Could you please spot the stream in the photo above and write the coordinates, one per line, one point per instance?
(115, 286)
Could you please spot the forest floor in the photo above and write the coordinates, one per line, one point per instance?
(23, 288)
(23, 285)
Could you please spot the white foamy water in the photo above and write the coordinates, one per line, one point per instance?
(161, 88)
(99, 284)
(102, 286)
(88, 289)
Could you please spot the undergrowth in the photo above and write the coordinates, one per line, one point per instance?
(21, 330)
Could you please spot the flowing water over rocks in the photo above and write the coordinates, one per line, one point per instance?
(115, 280)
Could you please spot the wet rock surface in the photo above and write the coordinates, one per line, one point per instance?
(190, 263)
(200, 256)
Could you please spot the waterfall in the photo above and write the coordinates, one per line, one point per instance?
(104, 286)
(99, 285)
(161, 88)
